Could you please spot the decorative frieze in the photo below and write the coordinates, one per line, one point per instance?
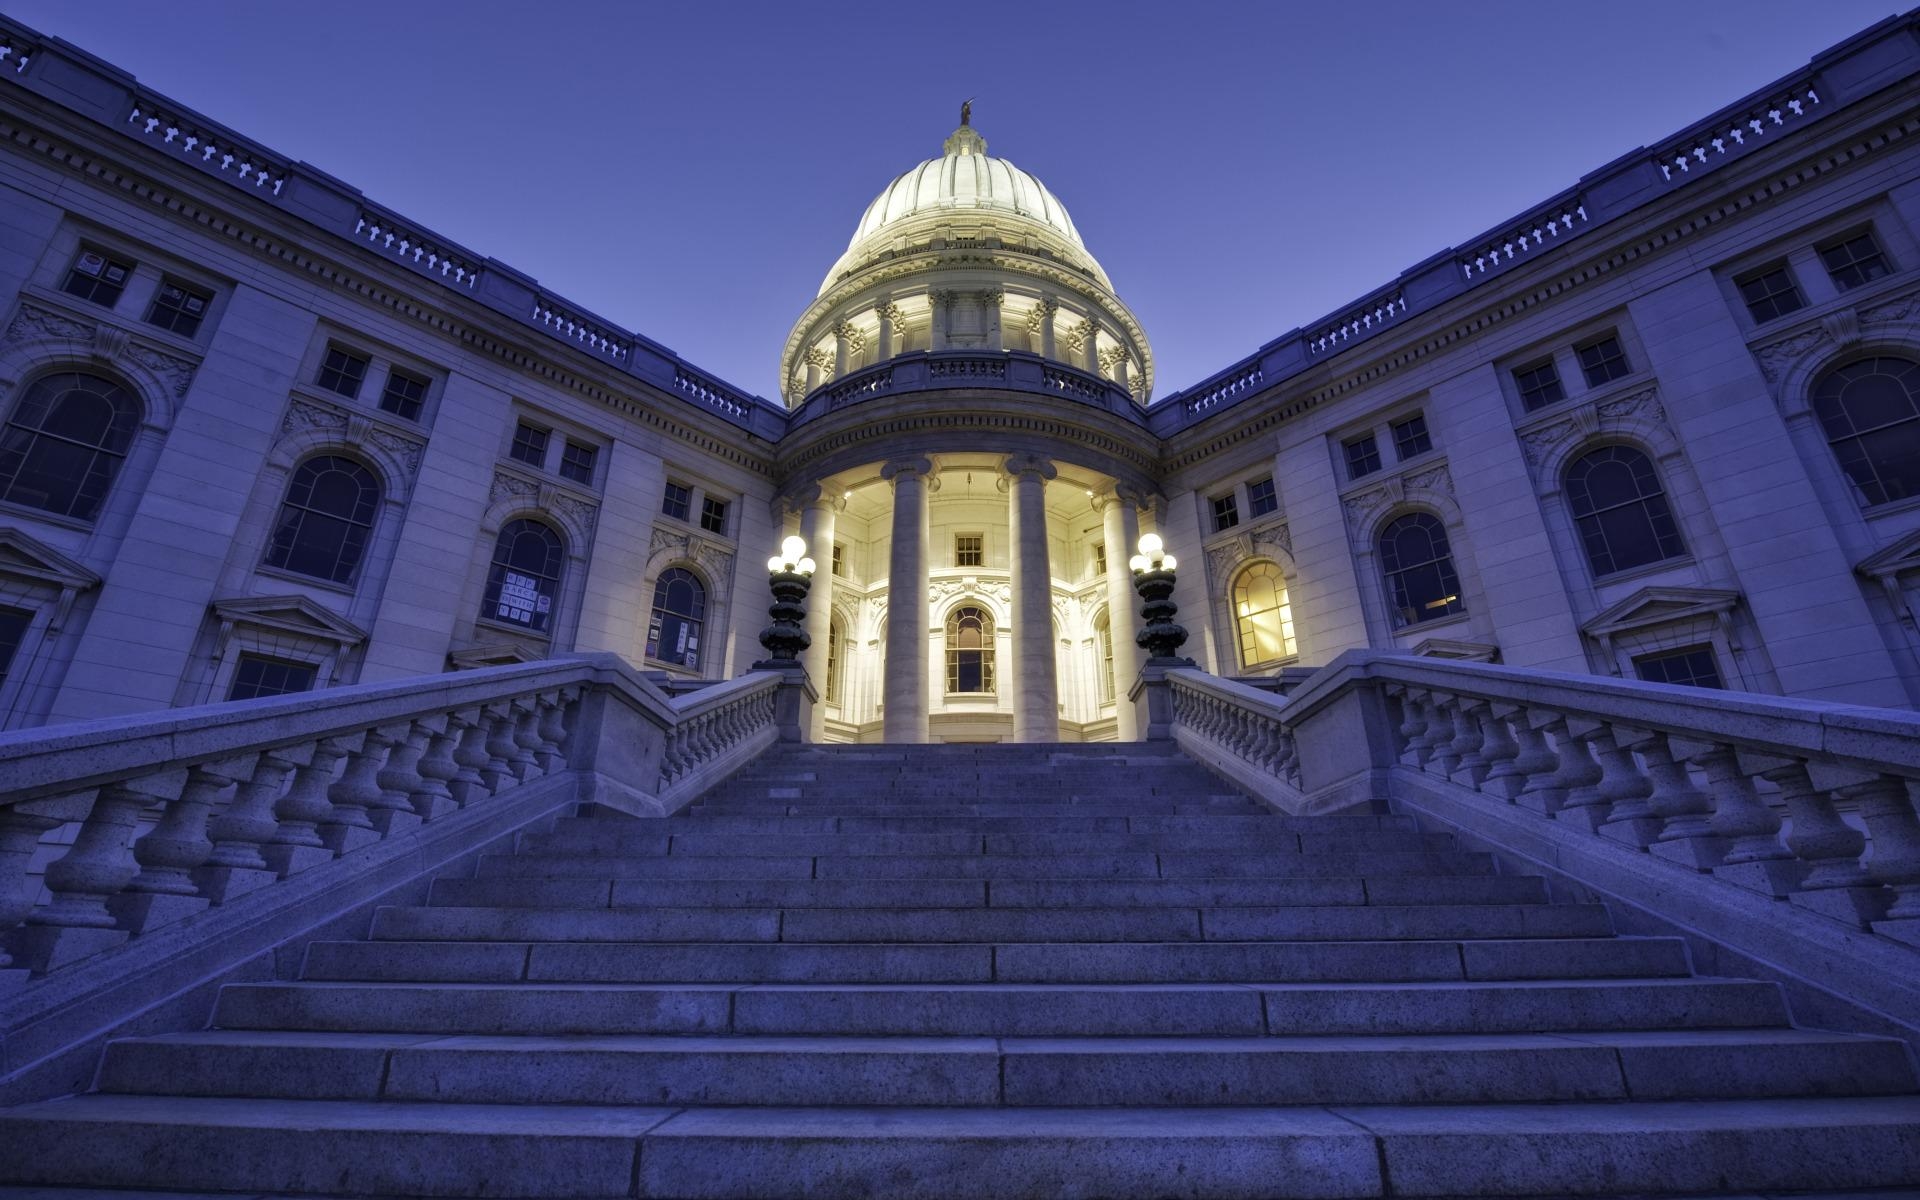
(1637, 412)
(107, 344)
(1363, 509)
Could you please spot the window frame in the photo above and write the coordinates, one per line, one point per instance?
(246, 657)
(1531, 380)
(987, 632)
(109, 259)
(1701, 650)
(715, 514)
(530, 439)
(498, 568)
(1443, 564)
(354, 565)
(105, 458)
(1594, 530)
(190, 292)
(1846, 241)
(668, 500)
(1417, 423)
(579, 461)
(347, 354)
(1263, 497)
(1861, 439)
(413, 406)
(1361, 453)
(688, 644)
(1226, 511)
(1246, 634)
(962, 551)
(1616, 366)
(1758, 275)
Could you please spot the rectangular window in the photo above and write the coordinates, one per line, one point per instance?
(1261, 498)
(1363, 456)
(713, 515)
(1770, 292)
(677, 502)
(1226, 512)
(529, 444)
(1692, 665)
(1602, 361)
(342, 372)
(256, 675)
(839, 559)
(1099, 558)
(178, 308)
(13, 629)
(969, 549)
(1854, 261)
(97, 277)
(1410, 437)
(576, 462)
(404, 395)
(1539, 385)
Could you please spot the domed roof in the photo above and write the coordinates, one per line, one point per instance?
(963, 180)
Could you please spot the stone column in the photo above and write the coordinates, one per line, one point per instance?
(817, 510)
(1049, 329)
(1036, 690)
(842, 341)
(905, 695)
(942, 305)
(889, 314)
(1120, 520)
(1090, 346)
(990, 301)
(1115, 362)
(816, 359)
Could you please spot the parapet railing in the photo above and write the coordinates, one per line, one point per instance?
(166, 814)
(1001, 370)
(1794, 800)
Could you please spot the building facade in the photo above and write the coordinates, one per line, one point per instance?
(262, 435)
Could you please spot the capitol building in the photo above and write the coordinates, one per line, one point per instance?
(262, 435)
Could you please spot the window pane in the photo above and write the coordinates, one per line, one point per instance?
(529, 445)
(1421, 584)
(679, 609)
(178, 308)
(255, 676)
(342, 372)
(64, 442)
(677, 501)
(1539, 385)
(1226, 512)
(1602, 361)
(1620, 510)
(97, 277)
(13, 629)
(1770, 292)
(1363, 457)
(1693, 666)
(1854, 261)
(1261, 498)
(524, 581)
(576, 462)
(404, 395)
(1869, 413)
(713, 515)
(1263, 615)
(1410, 437)
(325, 519)
(969, 650)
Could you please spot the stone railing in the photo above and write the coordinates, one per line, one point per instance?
(380, 231)
(1793, 800)
(925, 371)
(146, 821)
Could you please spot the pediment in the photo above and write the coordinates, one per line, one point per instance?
(1658, 606)
(290, 614)
(1900, 555)
(23, 556)
(1485, 652)
(493, 654)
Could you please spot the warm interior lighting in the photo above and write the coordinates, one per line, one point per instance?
(1442, 602)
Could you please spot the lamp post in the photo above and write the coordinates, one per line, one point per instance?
(790, 574)
(1153, 578)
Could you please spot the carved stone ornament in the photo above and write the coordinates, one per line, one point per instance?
(106, 343)
(511, 487)
(667, 541)
(1364, 508)
(1223, 558)
(716, 560)
(1435, 479)
(1777, 358)
(889, 312)
(303, 415)
(405, 449)
(580, 512)
(1274, 539)
(1900, 308)
(32, 323)
(1544, 443)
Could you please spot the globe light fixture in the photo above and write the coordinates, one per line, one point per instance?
(790, 575)
(1153, 577)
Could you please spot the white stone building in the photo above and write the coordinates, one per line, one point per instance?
(259, 434)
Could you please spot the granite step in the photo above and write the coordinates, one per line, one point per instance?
(1044, 1072)
(781, 823)
(743, 1153)
(1139, 864)
(1053, 806)
(689, 837)
(1006, 962)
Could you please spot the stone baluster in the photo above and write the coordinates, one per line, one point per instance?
(1468, 767)
(393, 813)
(1893, 850)
(242, 832)
(83, 881)
(526, 739)
(468, 783)
(1619, 794)
(432, 797)
(21, 827)
(553, 731)
(500, 747)
(305, 809)
(164, 892)
(1446, 731)
(1754, 857)
(1499, 750)
(1573, 764)
(1413, 725)
(357, 789)
(1836, 884)
(1685, 832)
(1532, 760)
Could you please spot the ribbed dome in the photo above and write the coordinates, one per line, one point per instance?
(962, 181)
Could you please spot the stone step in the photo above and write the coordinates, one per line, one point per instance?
(976, 893)
(984, 1071)
(966, 925)
(1007, 1010)
(1128, 865)
(1053, 807)
(1006, 962)
(783, 824)
(687, 837)
(357, 1147)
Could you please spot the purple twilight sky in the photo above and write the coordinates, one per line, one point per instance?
(691, 170)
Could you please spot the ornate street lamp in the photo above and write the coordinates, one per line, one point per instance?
(1153, 578)
(790, 574)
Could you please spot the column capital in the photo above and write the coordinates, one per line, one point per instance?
(993, 297)
(1029, 464)
(888, 311)
(816, 357)
(1122, 493)
(813, 495)
(918, 467)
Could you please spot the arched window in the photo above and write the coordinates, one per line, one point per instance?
(1421, 583)
(1103, 637)
(679, 608)
(1621, 511)
(326, 519)
(524, 584)
(969, 650)
(1263, 615)
(1870, 411)
(64, 443)
(836, 633)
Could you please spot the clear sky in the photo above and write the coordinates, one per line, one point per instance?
(691, 170)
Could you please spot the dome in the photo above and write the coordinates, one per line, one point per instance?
(965, 181)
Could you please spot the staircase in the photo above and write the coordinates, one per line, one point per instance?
(953, 971)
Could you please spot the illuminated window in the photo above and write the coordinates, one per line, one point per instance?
(836, 633)
(679, 610)
(524, 582)
(1620, 510)
(969, 650)
(1103, 634)
(1418, 562)
(1870, 412)
(1263, 615)
(64, 443)
(969, 549)
(325, 520)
